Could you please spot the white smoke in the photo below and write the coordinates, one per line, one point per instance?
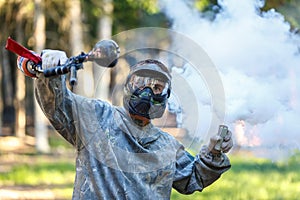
(258, 59)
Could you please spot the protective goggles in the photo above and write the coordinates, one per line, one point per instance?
(159, 87)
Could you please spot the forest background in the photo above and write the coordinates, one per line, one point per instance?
(74, 26)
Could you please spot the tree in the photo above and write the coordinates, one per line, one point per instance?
(8, 108)
(8, 93)
(40, 124)
(85, 78)
(102, 76)
(20, 125)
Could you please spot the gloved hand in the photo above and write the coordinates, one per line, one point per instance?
(53, 58)
(218, 145)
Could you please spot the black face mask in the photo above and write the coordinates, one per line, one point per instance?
(147, 104)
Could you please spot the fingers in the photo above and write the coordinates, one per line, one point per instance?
(228, 136)
(214, 140)
(63, 59)
(218, 144)
(227, 142)
(226, 146)
(53, 58)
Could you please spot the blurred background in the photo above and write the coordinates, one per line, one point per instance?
(36, 163)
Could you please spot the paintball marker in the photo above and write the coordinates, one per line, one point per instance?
(105, 53)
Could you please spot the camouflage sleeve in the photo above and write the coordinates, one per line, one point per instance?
(55, 100)
(196, 173)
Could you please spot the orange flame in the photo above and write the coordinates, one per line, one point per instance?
(246, 137)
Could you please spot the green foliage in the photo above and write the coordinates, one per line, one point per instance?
(294, 160)
(290, 10)
(204, 5)
(149, 6)
(253, 178)
(132, 14)
(126, 14)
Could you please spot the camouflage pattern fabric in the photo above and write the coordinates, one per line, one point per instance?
(117, 159)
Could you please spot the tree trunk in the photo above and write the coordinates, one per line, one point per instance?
(8, 94)
(102, 75)
(20, 125)
(1, 97)
(85, 77)
(40, 122)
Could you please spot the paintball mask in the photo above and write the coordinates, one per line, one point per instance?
(147, 89)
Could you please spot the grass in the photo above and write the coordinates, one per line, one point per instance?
(254, 178)
(249, 178)
(39, 174)
(56, 176)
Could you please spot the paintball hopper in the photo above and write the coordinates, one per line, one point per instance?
(105, 53)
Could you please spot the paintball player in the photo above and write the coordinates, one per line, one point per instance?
(120, 153)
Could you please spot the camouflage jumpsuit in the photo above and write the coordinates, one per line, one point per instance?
(117, 159)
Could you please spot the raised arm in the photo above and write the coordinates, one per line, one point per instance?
(196, 173)
(54, 98)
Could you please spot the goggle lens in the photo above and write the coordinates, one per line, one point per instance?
(157, 86)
